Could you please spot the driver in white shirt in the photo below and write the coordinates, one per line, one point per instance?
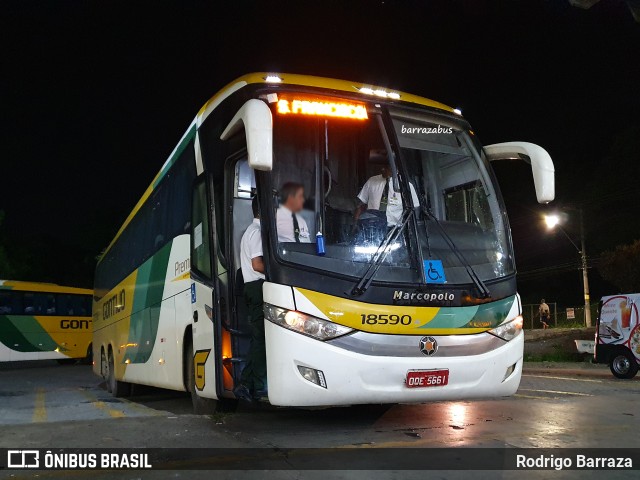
(379, 197)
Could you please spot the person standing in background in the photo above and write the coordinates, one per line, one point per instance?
(544, 313)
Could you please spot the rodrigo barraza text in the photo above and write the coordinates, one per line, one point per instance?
(580, 462)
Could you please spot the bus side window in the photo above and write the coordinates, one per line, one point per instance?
(36, 303)
(29, 304)
(78, 306)
(85, 308)
(49, 301)
(5, 304)
(10, 303)
(72, 305)
(200, 248)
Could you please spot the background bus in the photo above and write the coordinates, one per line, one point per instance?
(43, 321)
(364, 322)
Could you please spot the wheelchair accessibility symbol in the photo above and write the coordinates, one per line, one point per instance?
(434, 271)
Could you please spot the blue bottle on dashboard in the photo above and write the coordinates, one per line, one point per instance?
(320, 244)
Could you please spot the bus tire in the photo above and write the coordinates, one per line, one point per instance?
(623, 364)
(201, 405)
(116, 387)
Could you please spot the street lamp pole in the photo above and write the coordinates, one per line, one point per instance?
(552, 222)
(585, 276)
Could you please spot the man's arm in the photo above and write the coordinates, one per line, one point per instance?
(255, 247)
(257, 264)
(362, 198)
(359, 209)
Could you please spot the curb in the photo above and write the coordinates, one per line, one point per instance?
(588, 370)
(568, 372)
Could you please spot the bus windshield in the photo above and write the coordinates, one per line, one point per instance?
(356, 190)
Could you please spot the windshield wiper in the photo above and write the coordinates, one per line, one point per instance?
(479, 284)
(381, 253)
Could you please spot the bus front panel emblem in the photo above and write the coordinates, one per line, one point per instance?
(428, 346)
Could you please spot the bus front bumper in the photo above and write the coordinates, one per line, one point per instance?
(354, 378)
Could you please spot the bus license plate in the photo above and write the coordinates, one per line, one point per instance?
(427, 378)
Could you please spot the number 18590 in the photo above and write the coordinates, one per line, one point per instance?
(384, 319)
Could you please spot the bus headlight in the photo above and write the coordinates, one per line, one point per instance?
(302, 323)
(509, 330)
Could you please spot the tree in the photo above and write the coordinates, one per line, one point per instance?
(621, 267)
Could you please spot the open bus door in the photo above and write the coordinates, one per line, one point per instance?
(220, 330)
(202, 349)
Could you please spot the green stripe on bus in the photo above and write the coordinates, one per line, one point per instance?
(486, 315)
(25, 334)
(147, 300)
(178, 151)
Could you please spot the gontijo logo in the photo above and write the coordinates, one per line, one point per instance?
(74, 324)
(114, 305)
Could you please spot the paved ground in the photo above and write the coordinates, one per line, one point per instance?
(46, 405)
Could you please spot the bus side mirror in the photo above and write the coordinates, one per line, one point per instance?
(255, 117)
(540, 161)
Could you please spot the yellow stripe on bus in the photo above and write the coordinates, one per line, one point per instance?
(350, 313)
(20, 286)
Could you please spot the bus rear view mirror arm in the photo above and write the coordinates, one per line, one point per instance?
(255, 117)
(540, 161)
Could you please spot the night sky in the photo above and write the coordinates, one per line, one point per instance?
(95, 95)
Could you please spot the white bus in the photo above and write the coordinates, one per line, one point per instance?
(423, 307)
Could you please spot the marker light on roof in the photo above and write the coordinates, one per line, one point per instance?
(379, 92)
(457, 111)
(272, 79)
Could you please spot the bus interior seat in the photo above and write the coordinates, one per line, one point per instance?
(310, 217)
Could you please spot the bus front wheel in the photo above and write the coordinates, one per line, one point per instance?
(116, 387)
(623, 365)
(201, 406)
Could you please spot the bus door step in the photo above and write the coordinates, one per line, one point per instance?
(238, 333)
(235, 360)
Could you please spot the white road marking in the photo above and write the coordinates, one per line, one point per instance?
(558, 392)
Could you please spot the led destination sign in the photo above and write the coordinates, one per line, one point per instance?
(322, 108)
